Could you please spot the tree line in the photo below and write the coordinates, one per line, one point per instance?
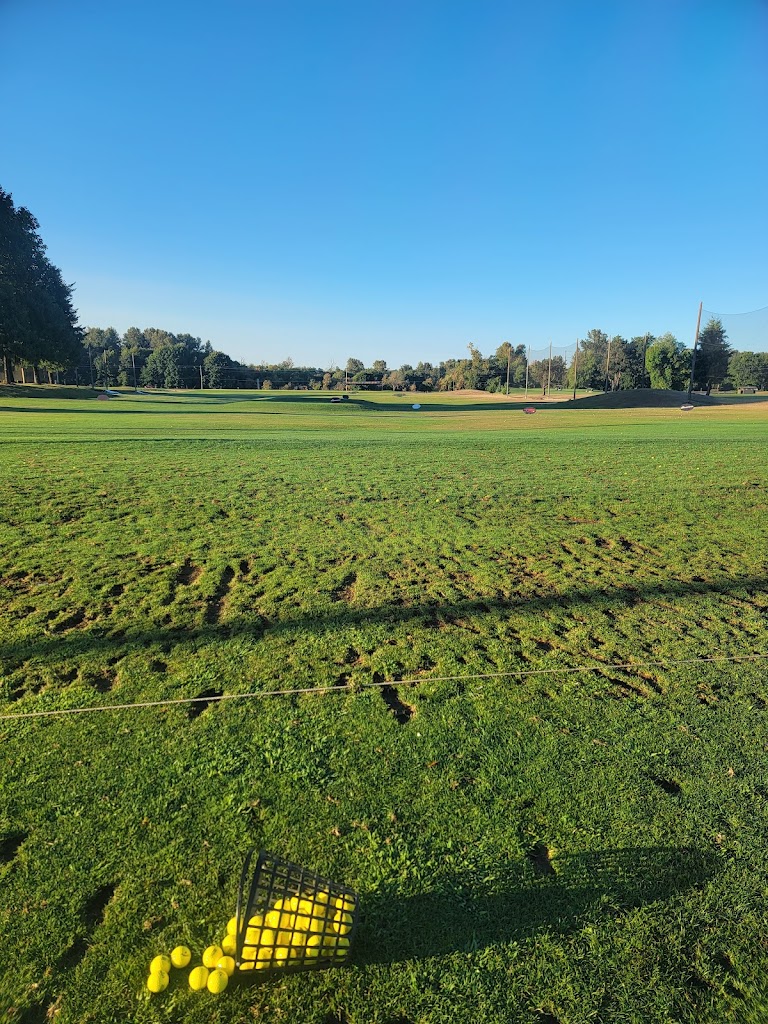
(158, 358)
(40, 335)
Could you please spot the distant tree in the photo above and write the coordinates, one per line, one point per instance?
(379, 366)
(134, 352)
(749, 369)
(634, 374)
(667, 363)
(165, 367)
(354, 366)
(395, 379)
(593, 351)
(215, 366)
(712, 356)
(157, 338)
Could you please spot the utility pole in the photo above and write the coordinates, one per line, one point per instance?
(90, 363)
(106, 375)
(549, 371)
(133, 364)
(575, 368)
(693, 358)
(527, 359)
(202, 386)
(509, 359)
(607, 362)
(645, 346)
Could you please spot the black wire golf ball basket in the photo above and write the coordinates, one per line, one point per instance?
(290, 919)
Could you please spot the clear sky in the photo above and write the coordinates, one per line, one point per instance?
(392, 178)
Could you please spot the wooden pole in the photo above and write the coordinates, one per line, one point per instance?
(527, 360)
(693, 357)
(645, 347)
(607, 361)
(509, 359)
(575, 369)
(549, 371)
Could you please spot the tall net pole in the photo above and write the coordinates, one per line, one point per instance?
(549, 371)
(607, 363)
(575, 369)
(693, 357)
(527, 360)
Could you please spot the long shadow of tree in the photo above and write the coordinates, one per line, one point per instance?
(98, 637)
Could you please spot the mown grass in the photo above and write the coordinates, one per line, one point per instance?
(551, 847)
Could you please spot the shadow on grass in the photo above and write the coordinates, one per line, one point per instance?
(100, 636)
(470, 915)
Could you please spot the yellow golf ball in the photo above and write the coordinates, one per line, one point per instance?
(229, 944)
(198, 978)
(157, 981)
(232, 926)
(180, 956)
(226, 964)
(212, 955)
(160, 963)
(217, 981)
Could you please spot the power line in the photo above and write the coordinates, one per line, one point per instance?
(602, 667)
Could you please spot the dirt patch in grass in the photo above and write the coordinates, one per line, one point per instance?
(203, 701)
(402, 711)
(188, 574)
(217, 602)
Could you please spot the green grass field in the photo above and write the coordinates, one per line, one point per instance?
(530, 843)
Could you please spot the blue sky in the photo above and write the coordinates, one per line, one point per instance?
(393, 179)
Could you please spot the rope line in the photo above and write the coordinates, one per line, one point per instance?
(387, 682)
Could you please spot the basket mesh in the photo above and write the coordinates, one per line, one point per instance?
(290, 919)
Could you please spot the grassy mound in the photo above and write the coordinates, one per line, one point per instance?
(648, 398)
(641, 398)
(46, 391)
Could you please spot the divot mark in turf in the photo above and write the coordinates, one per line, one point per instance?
(116, 590)
(188, 574)
(92, 917)
(157, 665)
(546, 1018)
(335, 1017)
(403, 712)
(346, 589)
(93, 912)
(9, 846)
(70, 622)
(669, 786)
(102, 681)
(216, 603)
(541, 859)
(202, 701)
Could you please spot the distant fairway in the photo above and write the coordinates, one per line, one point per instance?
(545, 848)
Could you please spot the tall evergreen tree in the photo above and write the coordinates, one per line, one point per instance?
(712, 356)
(38, 322)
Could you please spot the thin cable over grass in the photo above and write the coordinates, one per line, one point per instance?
(351, 688)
